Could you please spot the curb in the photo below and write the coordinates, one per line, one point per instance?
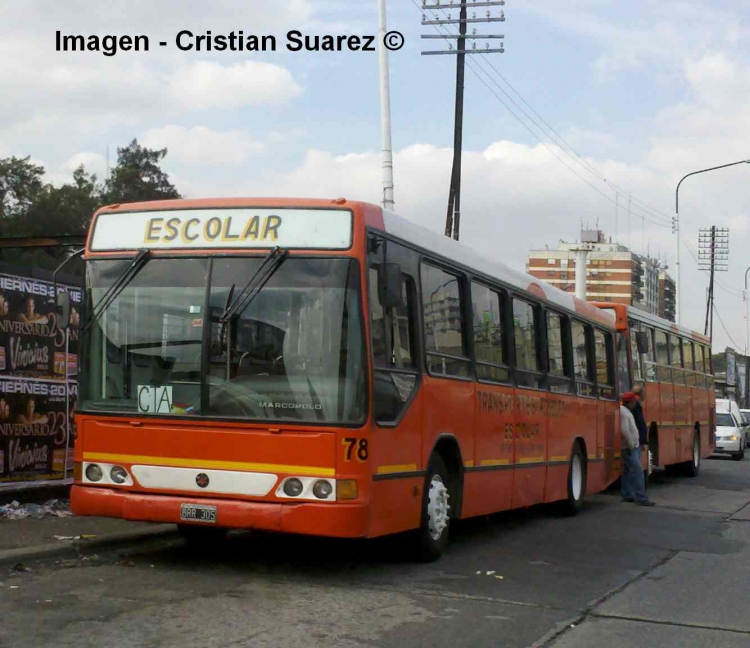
(78, 547)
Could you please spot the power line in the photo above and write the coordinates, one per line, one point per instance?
(585, 163)
(473, 64)
(721, 321)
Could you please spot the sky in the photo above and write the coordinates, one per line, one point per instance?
(591, 116)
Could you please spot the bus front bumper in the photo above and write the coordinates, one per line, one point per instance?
(308, 518)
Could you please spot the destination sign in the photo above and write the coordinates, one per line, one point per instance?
(329, 229)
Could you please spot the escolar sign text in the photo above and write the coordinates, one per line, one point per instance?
(224, 228)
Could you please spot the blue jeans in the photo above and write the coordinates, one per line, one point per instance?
(632, 485)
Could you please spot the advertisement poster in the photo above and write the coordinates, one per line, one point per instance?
(32, 345)
(731, 369)
(34, 430)
(741, 380)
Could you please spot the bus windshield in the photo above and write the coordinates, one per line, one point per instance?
(165, 345)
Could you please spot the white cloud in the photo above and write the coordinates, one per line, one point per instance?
(201, 146)
(207, 84)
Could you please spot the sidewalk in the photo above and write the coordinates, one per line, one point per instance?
(32, 538)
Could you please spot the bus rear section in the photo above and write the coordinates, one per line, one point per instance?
(672, 365)
(224, 380)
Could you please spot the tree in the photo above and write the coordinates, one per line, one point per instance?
(29, 207)
(20, 184)
(138, 177)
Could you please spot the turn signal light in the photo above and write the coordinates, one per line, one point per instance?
(346, 489)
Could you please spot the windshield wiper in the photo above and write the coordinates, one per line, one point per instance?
(266, 270)
(139, 260)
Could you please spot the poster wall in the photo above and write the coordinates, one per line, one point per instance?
(36, 394)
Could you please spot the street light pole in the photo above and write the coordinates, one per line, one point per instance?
(676, 226)
(747, 317)
(385, 112)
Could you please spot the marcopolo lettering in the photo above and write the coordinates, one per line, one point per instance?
(215, 229)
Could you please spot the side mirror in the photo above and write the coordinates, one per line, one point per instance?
(641, 341)
(390, 283)
(63, 310)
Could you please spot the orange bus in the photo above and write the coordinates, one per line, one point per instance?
(329, 368)
(673, 365)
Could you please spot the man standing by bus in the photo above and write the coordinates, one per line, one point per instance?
(640, 423)
(632, 485)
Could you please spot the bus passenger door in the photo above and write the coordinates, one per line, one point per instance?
(394, 447)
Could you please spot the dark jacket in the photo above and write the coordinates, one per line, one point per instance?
(640, 423)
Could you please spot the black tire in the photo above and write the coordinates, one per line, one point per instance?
(200, 536)
(693, 467)
(576, 491)
(429, 546)
(739, 456)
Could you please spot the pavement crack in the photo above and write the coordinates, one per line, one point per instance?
(677, 624)
(565, 627)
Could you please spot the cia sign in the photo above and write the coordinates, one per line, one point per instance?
(155, 400)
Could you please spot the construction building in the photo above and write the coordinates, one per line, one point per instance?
(613, 273)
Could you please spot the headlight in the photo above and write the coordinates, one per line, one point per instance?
(293, 487)
(322, 489)
(118, 474)
(94, 473)
(734, 437)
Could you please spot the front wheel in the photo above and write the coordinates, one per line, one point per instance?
(576, 482)
(431, 538)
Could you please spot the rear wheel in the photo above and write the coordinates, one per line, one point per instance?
(576, 481)
(739, 456)
(692, 468)
(431, 538)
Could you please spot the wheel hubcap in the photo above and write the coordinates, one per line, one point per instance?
(696, 453)
(650, 462)
(576, 477)
(437, 507)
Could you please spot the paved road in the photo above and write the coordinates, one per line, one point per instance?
(618, 575)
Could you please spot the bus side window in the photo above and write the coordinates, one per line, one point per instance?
(443, 306)
(675, 356)
(581, 364)
(558, 343)
(489, 333)
(635, 357)
(624, 379)
(663, 371)
(649, 359)
(527, 344)
(603, 355)
(687, 356)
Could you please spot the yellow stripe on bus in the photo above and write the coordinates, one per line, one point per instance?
(494, 462)
(528, 460)
(559, 458)
(179, 462)
(468, 464)
(397, 468)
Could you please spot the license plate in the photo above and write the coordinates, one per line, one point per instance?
(198, 513)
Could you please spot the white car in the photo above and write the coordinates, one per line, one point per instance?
(731, 437)
(746, 414)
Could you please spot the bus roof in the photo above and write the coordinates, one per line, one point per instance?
(625, 312)
(469, 258)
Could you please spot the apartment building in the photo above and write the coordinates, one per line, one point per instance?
(613, 272)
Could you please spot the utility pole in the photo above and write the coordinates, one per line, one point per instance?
(713, 256)
(453, 217)
(385, 112)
